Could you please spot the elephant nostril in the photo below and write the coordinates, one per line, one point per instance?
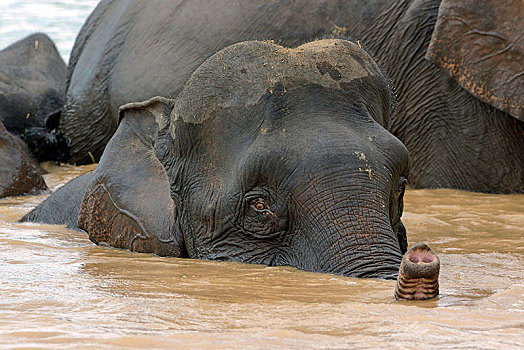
(421, 256)
(413, 259)
(428, 260)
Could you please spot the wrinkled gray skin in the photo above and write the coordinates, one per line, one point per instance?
(32, 88)
(133, 50)
(268, 155)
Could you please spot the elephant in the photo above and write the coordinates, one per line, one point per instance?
(462, 130)
(32, 89)
(268, 155)
(20, 174)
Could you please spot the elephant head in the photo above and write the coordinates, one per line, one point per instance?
(269, 155)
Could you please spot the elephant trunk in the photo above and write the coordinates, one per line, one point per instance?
(346, 219)
(358, 245)
(418, 274)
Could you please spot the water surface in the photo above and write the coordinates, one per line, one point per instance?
(60, 19)
(58, 290)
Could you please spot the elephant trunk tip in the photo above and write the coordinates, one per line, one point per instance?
(418, 274)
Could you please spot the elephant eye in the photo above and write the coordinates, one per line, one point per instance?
(261, 216)
(260, 205)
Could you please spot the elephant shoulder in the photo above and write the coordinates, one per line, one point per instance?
(62, 207)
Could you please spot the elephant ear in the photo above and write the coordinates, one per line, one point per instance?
(127, 204)
(480, 44)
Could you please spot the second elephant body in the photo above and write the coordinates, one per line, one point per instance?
(131, 51)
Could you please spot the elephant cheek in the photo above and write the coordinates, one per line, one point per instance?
(418, 274)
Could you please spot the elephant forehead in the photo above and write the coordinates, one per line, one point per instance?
(241, 74)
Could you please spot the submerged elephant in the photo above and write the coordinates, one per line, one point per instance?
(133, 50)
(20, 174)
(32, 88)
(268, 155)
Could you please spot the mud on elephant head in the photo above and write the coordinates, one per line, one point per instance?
(269, 155)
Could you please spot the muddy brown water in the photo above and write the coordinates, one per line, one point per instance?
(58, 290)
